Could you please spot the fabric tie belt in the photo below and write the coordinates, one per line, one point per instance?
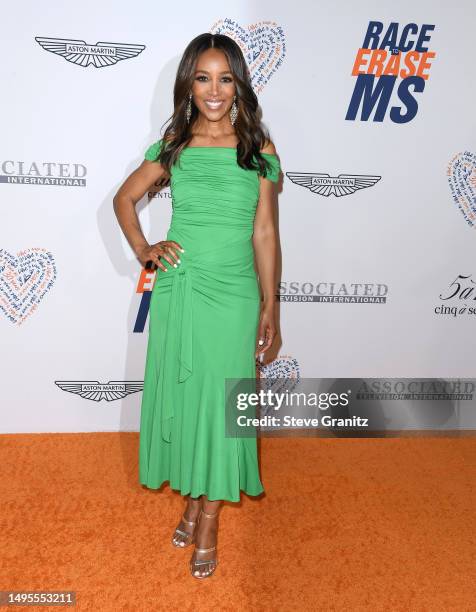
(179, 321)
(235, 255)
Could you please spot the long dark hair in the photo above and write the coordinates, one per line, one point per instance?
(251, 133)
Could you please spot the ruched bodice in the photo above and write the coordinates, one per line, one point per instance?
(213, 198)
(203, 324)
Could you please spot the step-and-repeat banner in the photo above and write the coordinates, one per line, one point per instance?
(371, 109)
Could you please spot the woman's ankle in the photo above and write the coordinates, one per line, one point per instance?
(211, 508)
(192, 509)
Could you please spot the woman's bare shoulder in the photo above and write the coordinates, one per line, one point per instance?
(269, 148)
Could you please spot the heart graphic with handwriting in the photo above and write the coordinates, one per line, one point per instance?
(280, 376)
(462, 182)
(282, 367)
(25, 279)
(263, 45)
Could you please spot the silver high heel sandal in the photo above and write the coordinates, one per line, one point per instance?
(189, 538)
(212, 562)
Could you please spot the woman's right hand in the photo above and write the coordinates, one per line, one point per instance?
(154, 252)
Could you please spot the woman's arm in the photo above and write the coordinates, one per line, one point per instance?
(129, 193)
(265, 247)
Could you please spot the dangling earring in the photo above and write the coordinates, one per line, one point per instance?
(188, 112)
(233, 112)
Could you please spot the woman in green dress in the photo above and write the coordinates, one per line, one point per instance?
(209, 317)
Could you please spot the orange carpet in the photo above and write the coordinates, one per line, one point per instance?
(345, 524)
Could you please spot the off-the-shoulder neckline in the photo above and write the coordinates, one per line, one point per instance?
(232, 148)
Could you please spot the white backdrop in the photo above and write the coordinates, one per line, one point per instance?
(68, 278)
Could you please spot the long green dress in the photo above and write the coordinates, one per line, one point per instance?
(203, 321)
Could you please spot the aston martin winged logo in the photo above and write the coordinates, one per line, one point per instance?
(79, 52)
(325, 185)
(96, 391)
